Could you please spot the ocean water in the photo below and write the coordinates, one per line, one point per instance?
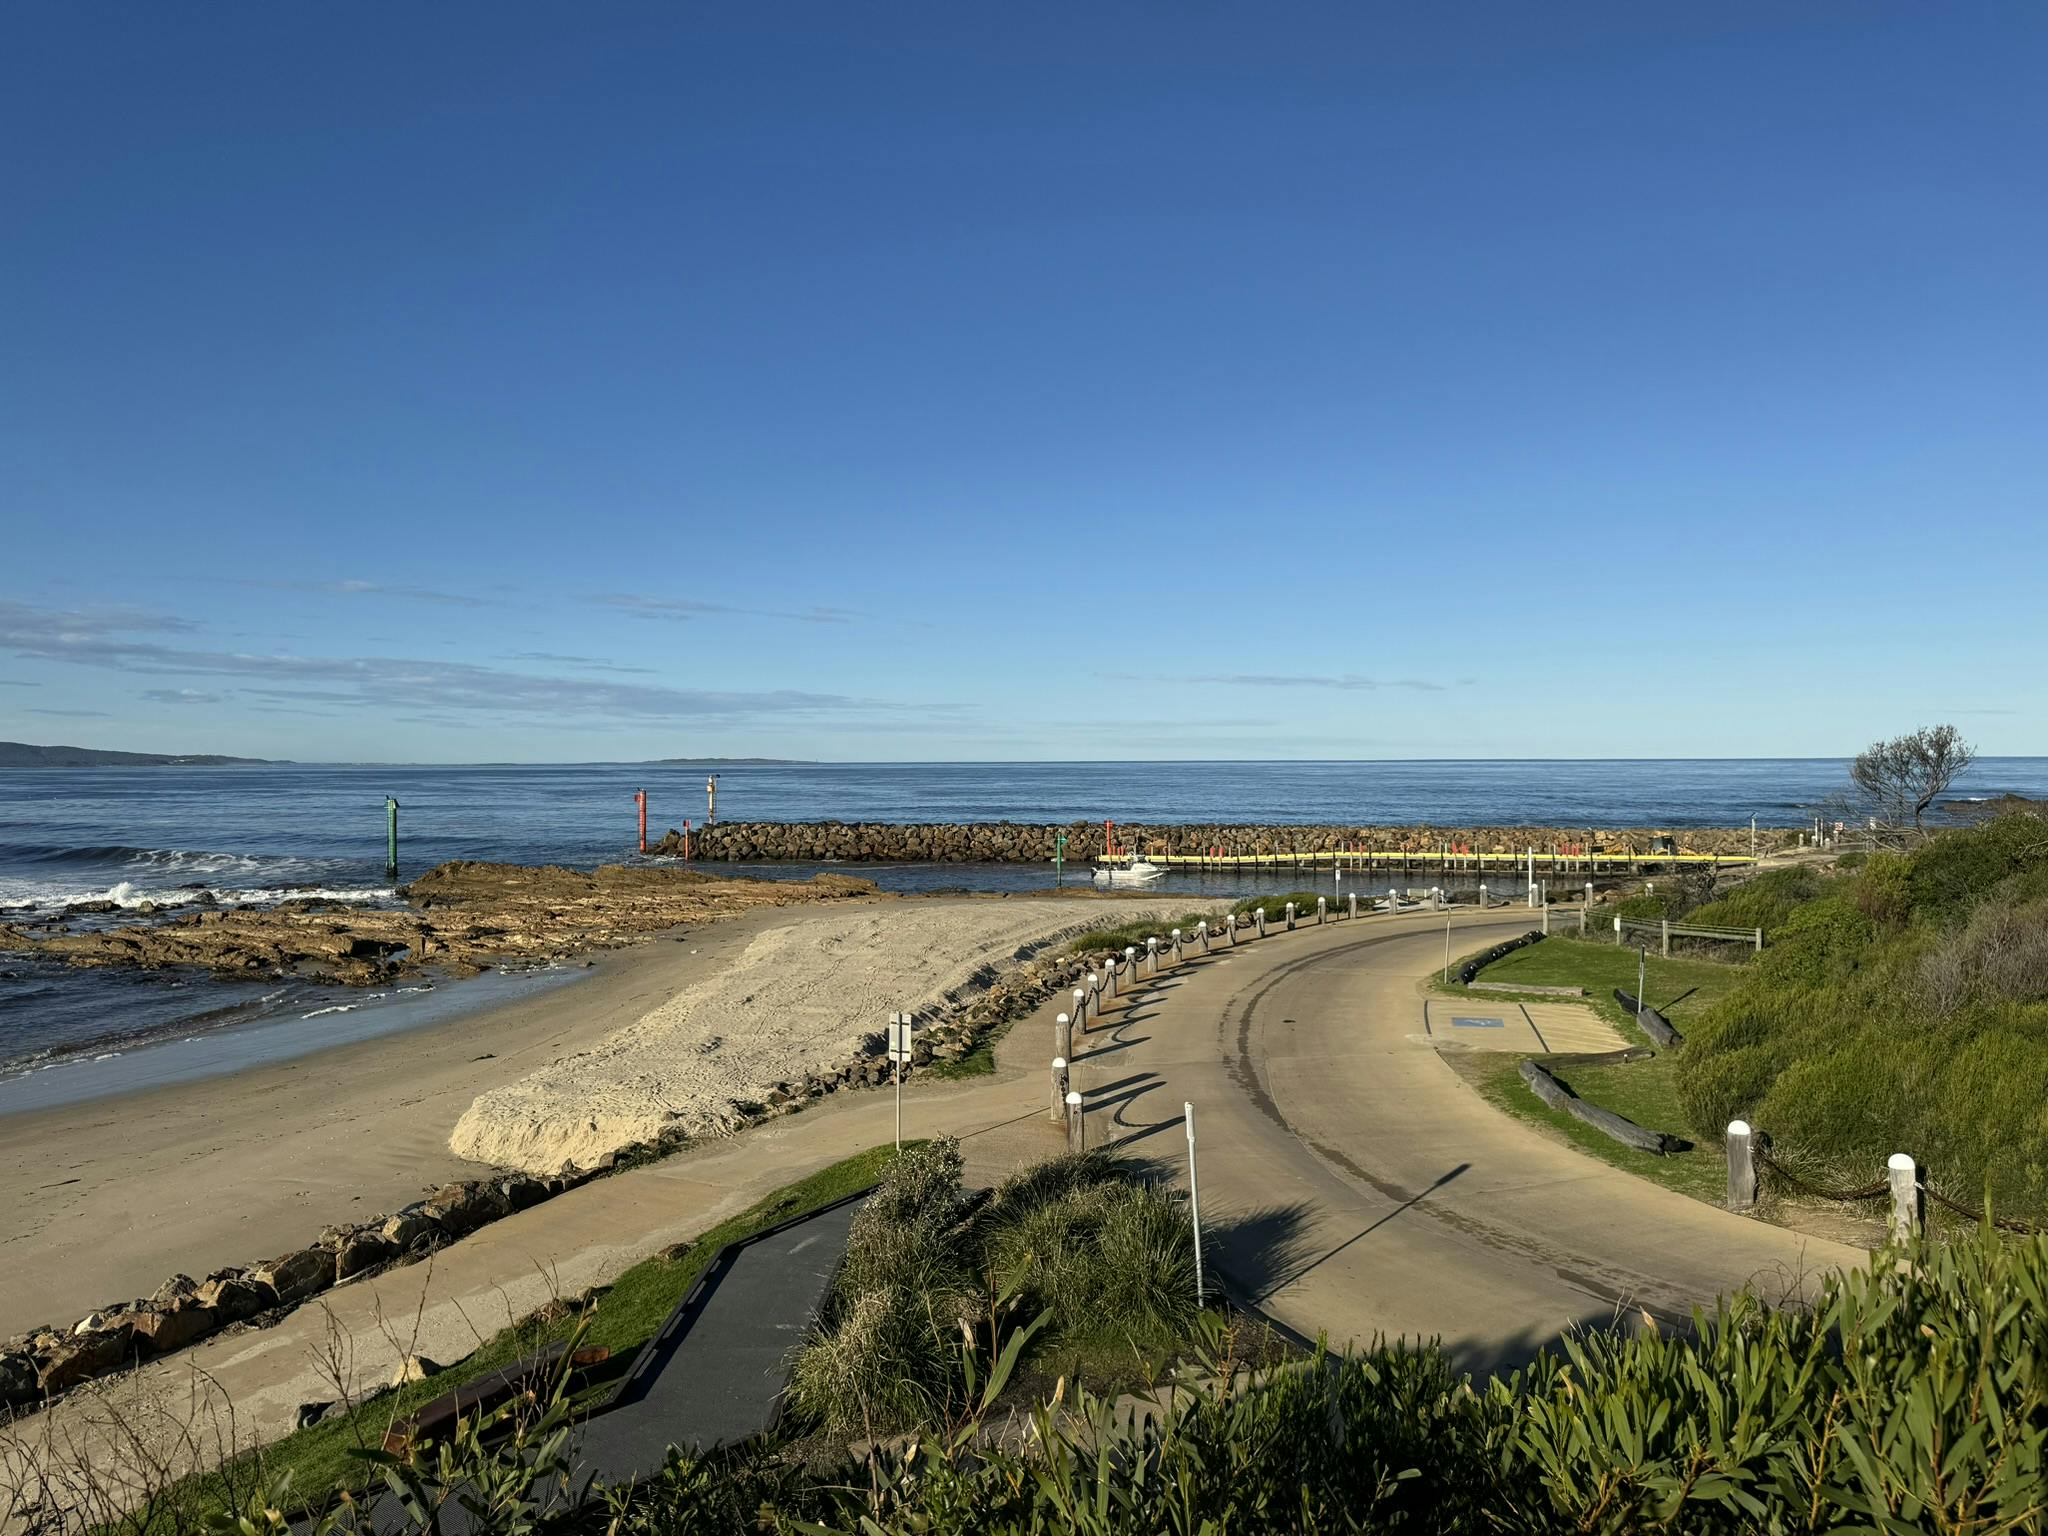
(257, 834)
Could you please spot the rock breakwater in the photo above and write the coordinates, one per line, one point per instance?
(1005, 842)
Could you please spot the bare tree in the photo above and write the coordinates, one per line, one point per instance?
(1899, 779)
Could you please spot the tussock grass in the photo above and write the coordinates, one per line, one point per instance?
(1107, 1259)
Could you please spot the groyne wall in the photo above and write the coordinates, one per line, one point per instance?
(1006, 842)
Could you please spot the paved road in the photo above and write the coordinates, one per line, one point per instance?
(1351, 1183)
(1357, 1187)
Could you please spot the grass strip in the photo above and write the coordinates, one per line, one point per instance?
(623, 1316)
(1645, 1091)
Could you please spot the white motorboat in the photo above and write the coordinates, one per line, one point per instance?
(1138, 872)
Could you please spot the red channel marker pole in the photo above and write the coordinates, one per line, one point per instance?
(641, 797)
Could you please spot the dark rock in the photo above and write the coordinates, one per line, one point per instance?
(295, 1276)
(408, 1229)
(360, 1251)
(233, 1297)
(521, 1192)
(83, 1357)
(18, 1383)
(310, 1414)
(161, 1331)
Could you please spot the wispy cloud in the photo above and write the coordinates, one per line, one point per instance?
(680, 610)
(74, 714)
(15, 682)
(581, 663)
(399, 590)
(408, 684)
(1348, 682)
(180, 696)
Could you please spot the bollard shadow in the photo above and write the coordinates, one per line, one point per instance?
(1688, 992)
(1111, 1049)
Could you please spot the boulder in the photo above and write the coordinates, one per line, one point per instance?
(461, 1208)
(414, 1368)
(521, 1191)
(298, 1275)
(18, 1384)
(360, 1251)
(83, 1357)
(310, 1414)
(408, 1229)
(231, 1298)
(161, 1331)
(174, 1290)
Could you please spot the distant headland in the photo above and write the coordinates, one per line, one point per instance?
(22, 754)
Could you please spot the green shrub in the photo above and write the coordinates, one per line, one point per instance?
(1902, 1009)
(1078, 1239)
(1122, 936)
(1276, 904)
(1912, 1396)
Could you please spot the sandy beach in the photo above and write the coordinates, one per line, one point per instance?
(104, 1200)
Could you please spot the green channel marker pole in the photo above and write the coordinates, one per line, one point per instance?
(1059, 856)
(390, 838)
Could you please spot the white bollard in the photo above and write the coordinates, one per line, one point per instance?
(1259, 920)
(1393, 899)
(1077, 1125)
(1176, 946)
(1904, 1176)
(1354, 903)
(1063, 1037)
(1081, 1005)
(1230, 929)
(1741, 1166)
(1152, 954)
(1322, 911)
(1059, 1089)
(1482, 895)
(1202, 933)
(1290, 916)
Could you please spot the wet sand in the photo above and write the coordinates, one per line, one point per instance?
(104, 1200)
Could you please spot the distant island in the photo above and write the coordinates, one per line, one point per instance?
(736, 762)
(22, 754)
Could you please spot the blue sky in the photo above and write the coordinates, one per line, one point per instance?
(465, 382)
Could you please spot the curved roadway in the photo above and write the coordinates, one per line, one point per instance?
(1356, 1187)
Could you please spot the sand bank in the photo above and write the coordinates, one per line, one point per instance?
(800, 997)
(104, 1200)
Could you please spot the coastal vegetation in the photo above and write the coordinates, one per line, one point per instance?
(1115, 938)
(1085, 1268)
(1902, 1008)
(1908, 1398)
(1900, 1005)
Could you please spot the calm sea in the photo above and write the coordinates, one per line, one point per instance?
(257, 834)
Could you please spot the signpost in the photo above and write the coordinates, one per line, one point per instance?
(1194, 1201)
(390, 838)
(901, 1026)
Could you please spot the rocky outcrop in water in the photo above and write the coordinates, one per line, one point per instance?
(1005, 842)
(457, 919)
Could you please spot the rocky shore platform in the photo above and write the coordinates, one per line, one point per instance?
(1005, 842)
(455, 920)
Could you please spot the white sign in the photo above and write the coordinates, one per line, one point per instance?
(900, 1028)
